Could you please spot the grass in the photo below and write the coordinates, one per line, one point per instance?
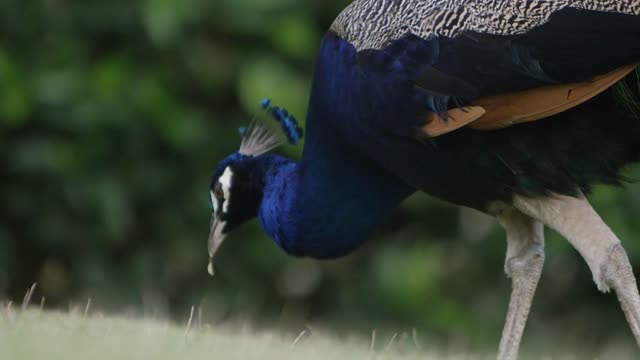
(27, 334)
(36, 334)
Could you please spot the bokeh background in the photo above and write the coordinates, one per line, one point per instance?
(113, 115)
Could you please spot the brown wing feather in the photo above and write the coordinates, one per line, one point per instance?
(500, 111)
(535, 104)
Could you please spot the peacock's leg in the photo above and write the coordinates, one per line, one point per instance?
(525, 258)
(618, 274)
(576, 220)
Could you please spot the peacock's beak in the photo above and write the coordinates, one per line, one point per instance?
(215, 239)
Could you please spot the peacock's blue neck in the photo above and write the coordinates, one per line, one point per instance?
(328, 208)
(328, 204)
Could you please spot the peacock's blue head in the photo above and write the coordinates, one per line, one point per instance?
(236, 188)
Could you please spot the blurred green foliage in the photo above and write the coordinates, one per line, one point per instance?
(113, 114)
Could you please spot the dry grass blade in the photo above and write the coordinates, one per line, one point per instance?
(186, 331)
(86, 308)
(295, 342)
(391, 342)
(8, 311)
(372, 347)
(28, 296)
(416, 342)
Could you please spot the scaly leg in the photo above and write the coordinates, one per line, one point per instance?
(525, 258)
(576, 220)
(618, 274)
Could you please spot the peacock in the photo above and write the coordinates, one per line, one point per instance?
(512, 107)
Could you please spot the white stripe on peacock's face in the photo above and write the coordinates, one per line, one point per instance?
(225, 181)
(221, 193)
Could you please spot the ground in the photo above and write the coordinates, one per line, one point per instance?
(37, 334)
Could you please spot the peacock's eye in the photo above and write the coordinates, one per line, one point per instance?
(218, 192)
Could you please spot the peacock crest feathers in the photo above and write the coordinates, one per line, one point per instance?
(262, 136)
